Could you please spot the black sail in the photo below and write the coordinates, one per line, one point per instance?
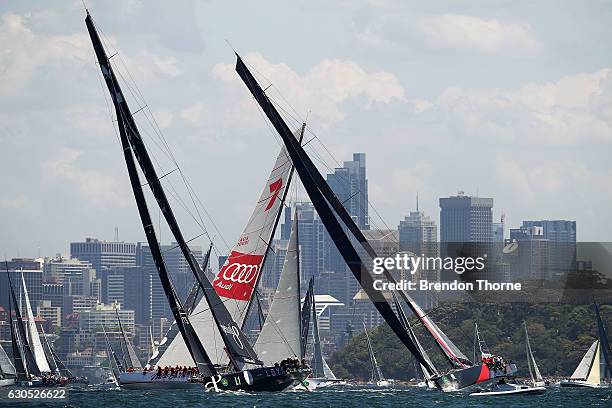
(192, 342)
(317, 357)
(20, 369)
(233, 337)
(22, 339)
(604, 343)
(305, 319)
(321, 195)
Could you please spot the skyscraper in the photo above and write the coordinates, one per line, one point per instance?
(562, 237)
(418, 233)
(466, 219)
(350, 185)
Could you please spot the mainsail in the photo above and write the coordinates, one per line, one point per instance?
(33, 336)
(305, 317)
(238, 276)
(534, 371)
(48, 354)
(604, 345)
(318, 370)
(130, 138)
(376, 373)
(25, 363)
(280, 336)
(131, 357)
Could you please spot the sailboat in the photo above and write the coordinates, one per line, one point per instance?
(26, 345)
(235, 281)
(114, 365)
(281, 337)
(595, 368)
(358, 254)
(534, 372)
(507, 387)
(323, 376)
(377, 376)
(7, 369)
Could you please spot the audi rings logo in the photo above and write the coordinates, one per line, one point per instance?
(240, 273)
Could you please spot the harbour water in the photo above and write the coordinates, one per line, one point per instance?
(344, 397)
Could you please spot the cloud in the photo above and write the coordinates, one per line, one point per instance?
(323, 88)
(192, 114)
(99, 188)
(470, 33)
(577, 109)
(13, 202)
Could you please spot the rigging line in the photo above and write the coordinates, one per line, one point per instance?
(161, 177)
(136, 93)
(271, 84)
(178, 246)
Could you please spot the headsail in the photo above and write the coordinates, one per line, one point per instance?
(280, 336)
(129, 139)
(305, 317)
(33, 336)
(6, 366)
(584, 367)
(48, 354)
(238, 276)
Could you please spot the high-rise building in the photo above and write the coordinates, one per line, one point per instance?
(350, 185)
(562, 247)
(418, 234)
(178, 269)
(531, 258)
(465, 219)
(33, 275)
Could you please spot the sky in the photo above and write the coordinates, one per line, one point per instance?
(503, 99)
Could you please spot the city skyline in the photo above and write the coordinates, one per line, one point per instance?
(522, 118)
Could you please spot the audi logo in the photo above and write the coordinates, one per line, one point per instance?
(240, 273)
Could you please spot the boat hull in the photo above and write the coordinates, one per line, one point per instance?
(7, 382)
(578, 383)
(517, 391)
(258, 379)
(466, 377)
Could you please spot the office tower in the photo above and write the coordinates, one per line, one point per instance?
(562, 237)
(129, 286)
(77, 277)
(530, 260)
(350, 185)
(274, 264)
(33, 274)
(178, 269)
(418, 234)
(93, 319)
(465, 219)
(310, 234)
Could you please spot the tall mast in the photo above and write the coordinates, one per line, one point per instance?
(124, 119)
(322, 196)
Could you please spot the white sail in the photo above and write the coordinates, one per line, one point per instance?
(594, 376)
(33, 337)
(236, 280)
(329, 374)
(583, 369)
(534, 371)
(280, 335)
(6, 366)
(376, 373)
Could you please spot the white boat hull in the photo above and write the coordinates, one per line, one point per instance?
(511, 390)
(7, 382)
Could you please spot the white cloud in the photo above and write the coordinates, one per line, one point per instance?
(576, 109)
(323, 88)
(99, 188)
(13, 202)
(470, 33)
(192, 114)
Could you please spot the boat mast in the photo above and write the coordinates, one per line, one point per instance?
(322, 196)
(124, 119)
